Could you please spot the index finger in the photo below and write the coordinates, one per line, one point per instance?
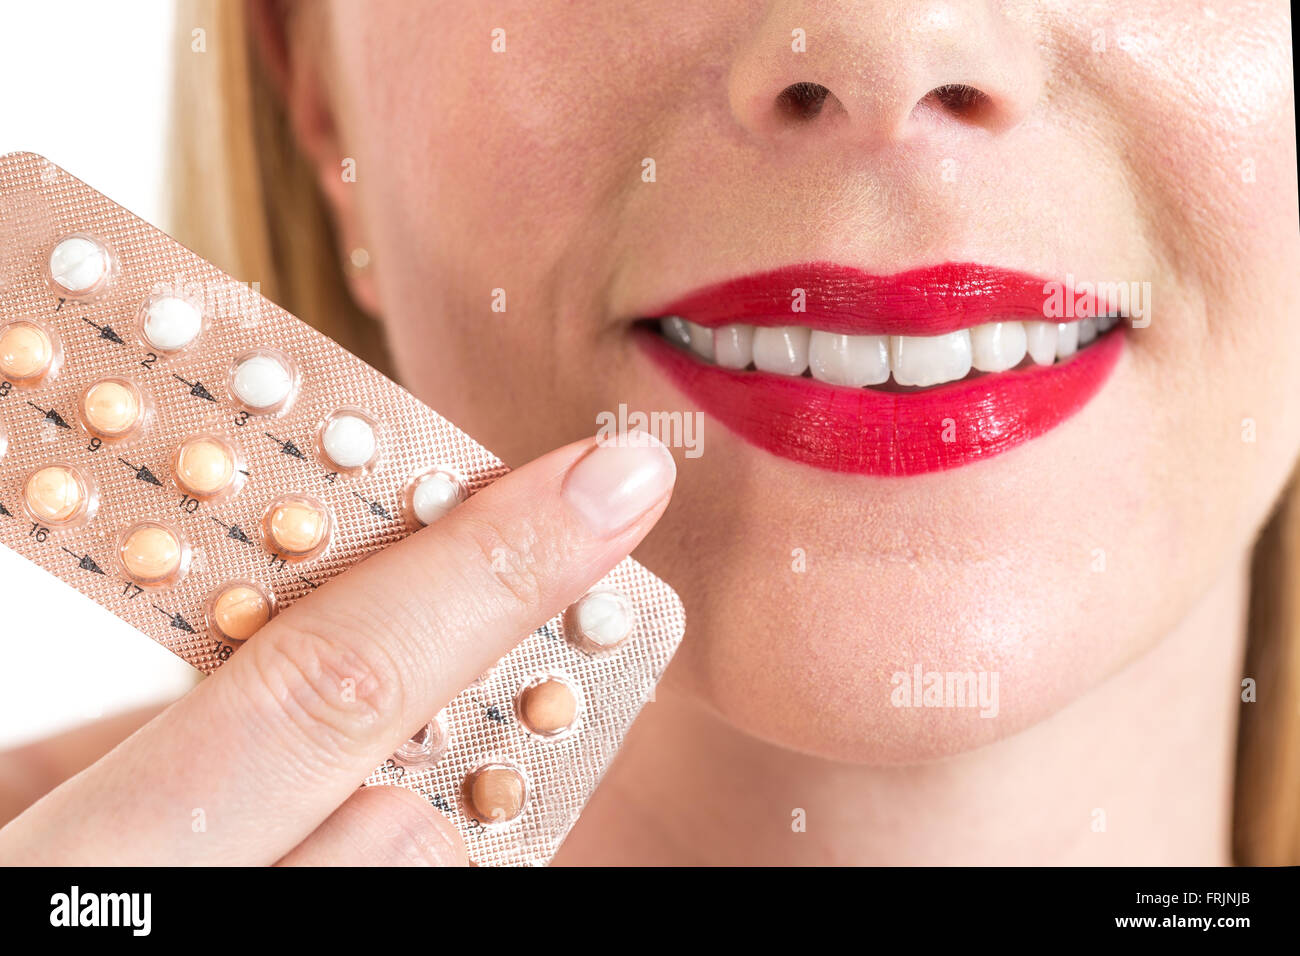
(269, 745)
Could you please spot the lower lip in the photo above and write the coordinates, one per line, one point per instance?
(868, 432)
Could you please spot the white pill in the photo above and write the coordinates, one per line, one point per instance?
(261, 382)
(171, 323)
(603, 618)
(79, 264)
(434, 496)
(349, 441)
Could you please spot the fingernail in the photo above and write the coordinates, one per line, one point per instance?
(614, 484)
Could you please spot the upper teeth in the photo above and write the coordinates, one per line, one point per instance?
(861, 360)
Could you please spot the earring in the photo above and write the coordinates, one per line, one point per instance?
(359, 260)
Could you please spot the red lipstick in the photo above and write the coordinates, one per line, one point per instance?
(872, 431)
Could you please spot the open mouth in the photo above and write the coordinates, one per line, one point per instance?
(890, 362)
(884, 375)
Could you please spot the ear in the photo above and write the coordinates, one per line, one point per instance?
(288, 39)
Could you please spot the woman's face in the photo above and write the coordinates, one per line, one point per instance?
(824, 540)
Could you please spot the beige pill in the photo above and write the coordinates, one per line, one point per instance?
(239, 611)
(55, 493)
(26, 351)
(151, 553)
(205, 466)
(547, 706)
(297, 526)
(495, 793)
(111, 407)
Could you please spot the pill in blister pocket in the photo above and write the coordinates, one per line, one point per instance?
(297, 527)
(547, 705)
(59, 495)
(348, 440)
(433, 494)
(262, 382)
(80, 266)
(113, 408)
(28, 353)
(170, 323)
(238, 609)
(601, 620)
(153, 555)
(207, 466)
(495, 793)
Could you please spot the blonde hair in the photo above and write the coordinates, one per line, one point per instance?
(245, 198)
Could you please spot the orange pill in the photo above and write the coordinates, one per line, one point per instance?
(112, 408)
(495, 793)
(297, 526)
(26, 351)
(547, 706)
(152, 553)
(239, 610)
(205, 466)
(56, 494)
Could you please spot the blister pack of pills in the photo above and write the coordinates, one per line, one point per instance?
(194, 458)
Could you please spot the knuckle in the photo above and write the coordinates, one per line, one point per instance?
(337, 696)
(513, 555)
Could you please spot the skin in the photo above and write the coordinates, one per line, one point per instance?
(1098, 570)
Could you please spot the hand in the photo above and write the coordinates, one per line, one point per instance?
(272, 750)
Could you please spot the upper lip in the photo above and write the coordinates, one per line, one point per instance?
(929, 300)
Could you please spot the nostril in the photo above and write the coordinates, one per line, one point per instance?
(803, 100)
(958, 100)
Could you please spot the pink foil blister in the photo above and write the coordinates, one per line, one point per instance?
(194, 458)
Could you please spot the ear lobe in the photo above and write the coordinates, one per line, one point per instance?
(288, 39)
(337, 180)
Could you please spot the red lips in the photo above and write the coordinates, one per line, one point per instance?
(869, 431)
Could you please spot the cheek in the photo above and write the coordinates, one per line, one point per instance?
(1210, 139)
(492, 184)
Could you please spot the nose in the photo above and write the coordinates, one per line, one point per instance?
(877, 73)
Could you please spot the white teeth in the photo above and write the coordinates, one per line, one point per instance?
(734, 345)
(783, 349)
(701, 340)
(1040, 342)
(1067, 339)
(997, 346)
(676, 330)
(930, 359)
(857, 361)
(854, 360)
(1087, 331)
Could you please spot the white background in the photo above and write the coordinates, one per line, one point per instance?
(84, 84)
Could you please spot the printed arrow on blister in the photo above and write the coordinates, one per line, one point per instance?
(105, 331)
(50, 415)
(197, 389)
(85, 562)
(234, 531)
(142, 473)
(176, 620)
(375, 508)
(287, 447)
